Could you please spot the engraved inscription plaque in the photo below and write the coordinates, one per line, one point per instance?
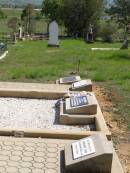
(83, 148)
(78, 101)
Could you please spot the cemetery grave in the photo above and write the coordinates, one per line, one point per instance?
(28, 110)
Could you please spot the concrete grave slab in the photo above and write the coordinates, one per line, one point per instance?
(50, 92)
(83, 85)
(93, 154)
(38, 155)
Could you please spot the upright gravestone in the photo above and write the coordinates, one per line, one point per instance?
(89, 38)
(20, 32)
(53, 34)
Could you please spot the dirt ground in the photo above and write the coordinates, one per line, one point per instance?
(117, 126)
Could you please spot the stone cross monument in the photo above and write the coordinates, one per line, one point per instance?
(53, 34)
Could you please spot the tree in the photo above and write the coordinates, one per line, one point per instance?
(13, 24)
(52, 9)
(108, 30)
(120, 10)
(78, 15)
(27, 17)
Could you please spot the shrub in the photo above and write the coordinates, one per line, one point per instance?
(107, 31)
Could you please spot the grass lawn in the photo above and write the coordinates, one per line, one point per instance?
(33, 61)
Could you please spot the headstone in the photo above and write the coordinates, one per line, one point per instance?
(53, 34)
(83, 85)
(20, 32)
(89, 38)
(69, 80)
(84, 104)
(125, 44)
(78, 115)
(93, 154)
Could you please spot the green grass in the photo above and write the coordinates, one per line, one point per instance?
(33, 61)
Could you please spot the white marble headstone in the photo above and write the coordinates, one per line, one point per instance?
(53, 34)
(20, 32)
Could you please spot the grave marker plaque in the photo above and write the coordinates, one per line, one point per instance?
(70, 79)
(78, 101)
(82, 148)
(83, 85)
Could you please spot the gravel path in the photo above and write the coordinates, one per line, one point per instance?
(31, 113)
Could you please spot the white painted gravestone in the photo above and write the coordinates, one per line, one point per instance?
(53, 34)
(93, 154)
(20, 32)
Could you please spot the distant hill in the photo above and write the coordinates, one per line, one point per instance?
(20, 3)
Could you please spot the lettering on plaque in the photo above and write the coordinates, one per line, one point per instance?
(78, 101)
(83, 148)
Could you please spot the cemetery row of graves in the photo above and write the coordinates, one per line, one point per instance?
(67, 110)
(70, 114)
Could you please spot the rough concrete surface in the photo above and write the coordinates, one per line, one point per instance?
(31, 113)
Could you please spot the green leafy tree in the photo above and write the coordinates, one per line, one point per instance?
(78, 15)
(120, 10)
(27, 17)
(108, 30)
(52, 9)
(13, 24)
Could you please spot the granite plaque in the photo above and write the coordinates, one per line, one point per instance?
(78, 101)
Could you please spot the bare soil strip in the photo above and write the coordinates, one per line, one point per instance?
(120, 134)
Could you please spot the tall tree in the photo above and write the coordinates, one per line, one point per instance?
(120, 10)
(52, 9)
(78, 15)
(13, 24)
(27, 17)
